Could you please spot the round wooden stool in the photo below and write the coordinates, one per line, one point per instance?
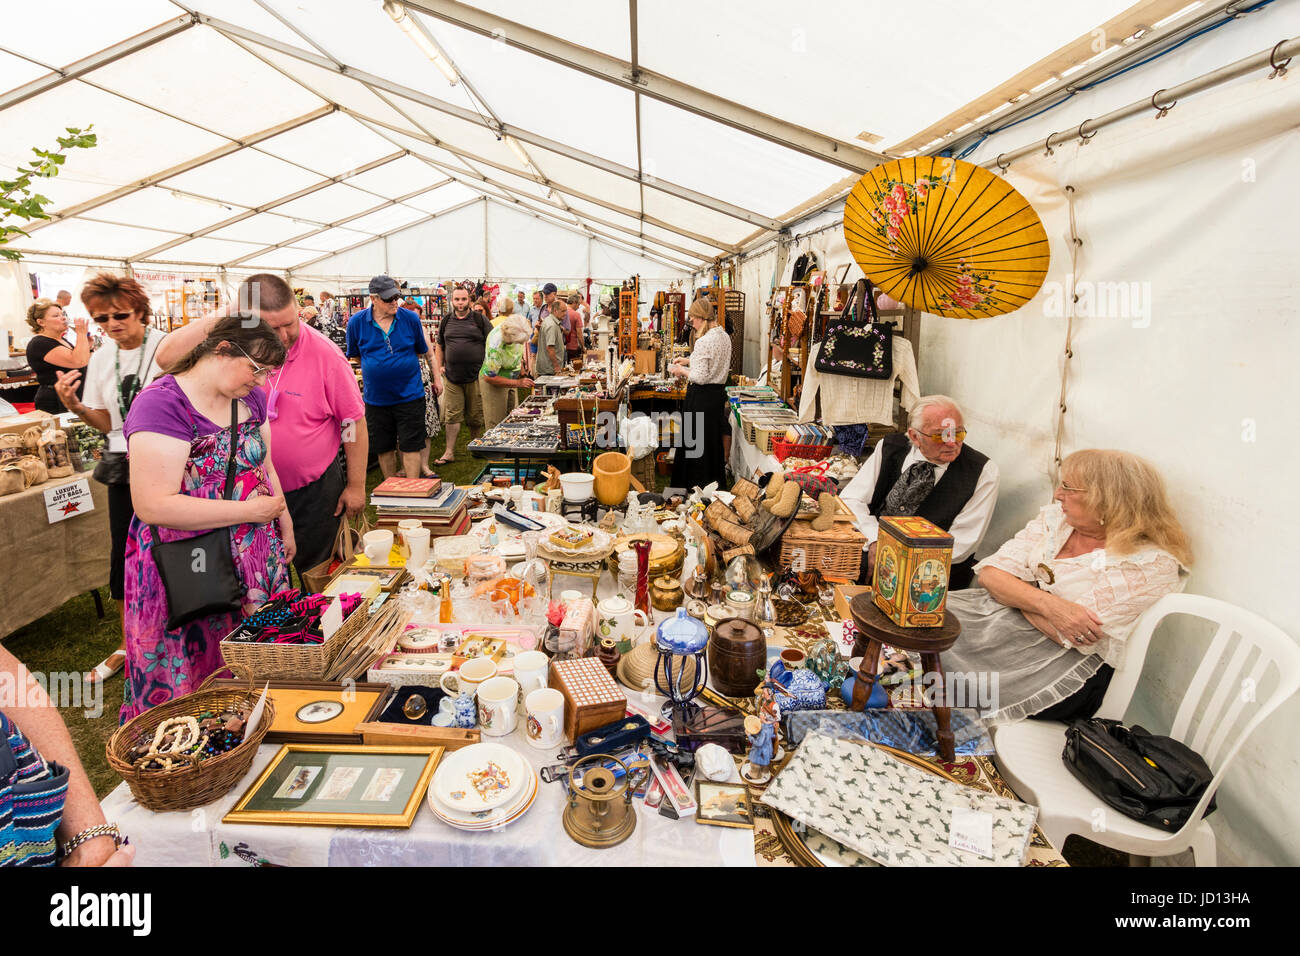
(875, 629)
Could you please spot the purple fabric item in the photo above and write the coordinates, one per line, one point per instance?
(165, 409)
(163, 664)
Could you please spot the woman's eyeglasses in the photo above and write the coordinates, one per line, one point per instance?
(119, 316)
(1068, 490)
(259, 371)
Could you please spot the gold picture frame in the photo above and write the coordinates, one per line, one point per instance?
(339, 785)
(321, 712)
(723, 805)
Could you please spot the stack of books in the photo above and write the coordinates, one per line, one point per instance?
(440, 508)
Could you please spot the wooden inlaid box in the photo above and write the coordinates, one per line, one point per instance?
(591, 698)
(913, 558)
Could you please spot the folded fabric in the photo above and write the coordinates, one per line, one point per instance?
(898, 815)
(913, 731)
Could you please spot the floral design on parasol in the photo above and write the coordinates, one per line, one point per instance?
(946, 237)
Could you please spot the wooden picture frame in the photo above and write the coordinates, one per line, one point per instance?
(712, 801)
(293, 697)
(339, 785)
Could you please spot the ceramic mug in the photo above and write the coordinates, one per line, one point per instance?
(409, 524)
(417, 542)
(617, 618)
(793, 658)
(377, 546)
(470, 676)
(544, 723)
(496, 706)
(531, 671)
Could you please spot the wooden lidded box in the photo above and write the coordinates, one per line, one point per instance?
(913, 558)
(591, 698)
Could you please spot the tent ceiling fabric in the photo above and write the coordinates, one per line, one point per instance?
(288, 130)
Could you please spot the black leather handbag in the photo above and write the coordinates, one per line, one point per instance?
(198, 574)
(1155, 780)
(855, 344)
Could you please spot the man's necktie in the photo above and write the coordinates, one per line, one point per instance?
(912, 488)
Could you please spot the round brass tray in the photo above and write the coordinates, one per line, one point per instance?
(793, 843)
(667, 554)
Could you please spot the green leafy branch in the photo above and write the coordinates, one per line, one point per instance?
(18, 200)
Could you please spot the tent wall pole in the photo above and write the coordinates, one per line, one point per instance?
(376, 83)
(1162, 98)
(623, 74)
(485, 236)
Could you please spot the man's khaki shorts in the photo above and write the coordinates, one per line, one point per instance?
(462, 403)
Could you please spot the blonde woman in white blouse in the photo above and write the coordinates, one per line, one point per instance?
(1057, 602)
(699, 459)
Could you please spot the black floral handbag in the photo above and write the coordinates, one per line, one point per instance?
(855, 345)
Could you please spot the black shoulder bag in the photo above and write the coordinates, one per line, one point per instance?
(198, 574)
(1155, 780)
(855, 344)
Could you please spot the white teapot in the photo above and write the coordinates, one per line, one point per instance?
(617, 618)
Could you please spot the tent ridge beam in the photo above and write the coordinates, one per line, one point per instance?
(655, 85)
(410, 225)
(375, 83)
(558, 187)
(189, 164)
(338, 223)
(265, 207)
(93, 62)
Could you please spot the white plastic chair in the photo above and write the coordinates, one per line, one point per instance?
(1028, 753)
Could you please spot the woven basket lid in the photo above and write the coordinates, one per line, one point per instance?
(636, 668)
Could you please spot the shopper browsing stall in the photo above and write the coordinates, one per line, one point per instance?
(930, 472)
(48, 352)
(699, 460)
(390, 340)
(313, 406)
(179, 432)
(117, 373)
(573, 340)
(502, 370)
(551, 352)
(462, 341)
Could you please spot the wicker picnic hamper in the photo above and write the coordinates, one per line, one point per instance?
(294, 661)
(836, 553)
(198, 782)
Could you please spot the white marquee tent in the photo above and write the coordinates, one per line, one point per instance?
(586, 139)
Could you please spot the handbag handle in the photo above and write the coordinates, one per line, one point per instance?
(234, 442)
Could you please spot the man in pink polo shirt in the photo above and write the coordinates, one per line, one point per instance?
(313, 405)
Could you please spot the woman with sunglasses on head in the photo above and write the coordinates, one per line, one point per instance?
(117, 372)
(1055, 604)
(179, 435)
(48, 352)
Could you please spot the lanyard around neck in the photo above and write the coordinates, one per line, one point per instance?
(123, 401)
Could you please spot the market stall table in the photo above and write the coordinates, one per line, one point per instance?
(51, 562)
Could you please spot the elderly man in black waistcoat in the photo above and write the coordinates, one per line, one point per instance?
(930, 472)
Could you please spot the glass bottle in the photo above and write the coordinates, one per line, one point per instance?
(445, 611)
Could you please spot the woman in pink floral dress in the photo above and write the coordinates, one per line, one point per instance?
(178, 433)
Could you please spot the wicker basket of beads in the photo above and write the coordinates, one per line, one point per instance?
(192, 782)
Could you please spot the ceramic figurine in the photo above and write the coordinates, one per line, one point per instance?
(760, 734)
(465, 711)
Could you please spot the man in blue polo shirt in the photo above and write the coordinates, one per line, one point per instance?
(389, 341)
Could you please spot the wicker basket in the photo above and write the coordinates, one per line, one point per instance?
(783, 449)
(294, 661)
(766, 432)
(836, 553)
(199, 782)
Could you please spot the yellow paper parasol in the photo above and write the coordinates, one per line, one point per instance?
(946, 237)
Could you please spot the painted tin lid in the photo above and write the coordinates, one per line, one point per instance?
(683, 634)
(915, 530)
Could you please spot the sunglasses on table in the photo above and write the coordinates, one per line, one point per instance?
(119, 316)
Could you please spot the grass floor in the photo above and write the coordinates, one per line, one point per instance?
(74, 638)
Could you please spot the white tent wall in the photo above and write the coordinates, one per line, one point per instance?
(1183, 348)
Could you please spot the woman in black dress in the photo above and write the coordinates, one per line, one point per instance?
(48, 353)
(699, 457)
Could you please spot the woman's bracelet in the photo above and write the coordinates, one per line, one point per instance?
(90, 833)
